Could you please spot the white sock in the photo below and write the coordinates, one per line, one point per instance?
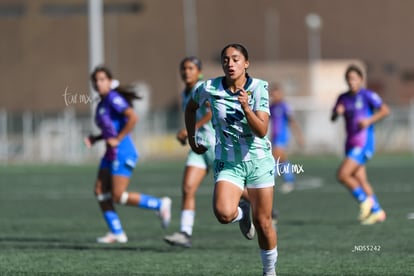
(269, 259)
(239, 215)
(187, 221)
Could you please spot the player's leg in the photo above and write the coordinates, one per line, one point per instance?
(361, 175)
(193, 176)
(120, 180)
(260, 184)
(346, 175)
(229, 186)
(261, 202)
(377, 213)
(196, 169)
(225, 202)
(104, 197)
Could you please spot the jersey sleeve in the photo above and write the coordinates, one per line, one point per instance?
(200, 95)
(118, 103)
(261, 95)
(374, 100)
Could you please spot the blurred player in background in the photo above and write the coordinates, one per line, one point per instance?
(361, 109)
(240, 116)
(197, 166)
(116, 118)
(281, 119)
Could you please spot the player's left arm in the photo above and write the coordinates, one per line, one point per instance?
(206, 118)
(182, 135)
(190, 123)
(381, 111)
(131, 120)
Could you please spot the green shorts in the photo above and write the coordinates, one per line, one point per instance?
(203, 161)
(259, 173)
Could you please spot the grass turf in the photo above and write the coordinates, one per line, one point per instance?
(49, 220)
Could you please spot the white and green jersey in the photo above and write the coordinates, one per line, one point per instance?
(235, 140)
(204, 135)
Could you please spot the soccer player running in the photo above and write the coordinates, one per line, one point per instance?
(240, 116)
(197, 166)
(116, 118)
(361, 109)
(281, 120)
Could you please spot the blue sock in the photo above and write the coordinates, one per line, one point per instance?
(288, 175)
(376, 206)
(149, 202)
(113, 222)
(359, 194)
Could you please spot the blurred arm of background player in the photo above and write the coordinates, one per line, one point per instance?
(182, 134)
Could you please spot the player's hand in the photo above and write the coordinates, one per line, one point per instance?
(364, 123)
(182, 136)
(112, 142)
(243, 97)
(89, 141)
(340, 109)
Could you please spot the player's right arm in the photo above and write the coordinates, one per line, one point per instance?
(92, 139)
(190, 124)
(338, 110)
(182, 134)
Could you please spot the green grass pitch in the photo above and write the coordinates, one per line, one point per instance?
(49, 220)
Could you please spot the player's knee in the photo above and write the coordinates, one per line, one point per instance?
(263, 223)
(224, 217)
(341, 176)
(188, 190)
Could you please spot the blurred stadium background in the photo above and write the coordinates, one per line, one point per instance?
(48, 214)
(47, 51)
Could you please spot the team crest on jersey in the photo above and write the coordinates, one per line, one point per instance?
(101, 111)
(358, 103)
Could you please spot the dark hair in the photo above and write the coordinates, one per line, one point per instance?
(238, 47)
(127, 92)
(353, 68)
(192, 59)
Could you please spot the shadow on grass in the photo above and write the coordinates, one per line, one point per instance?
(66, 244)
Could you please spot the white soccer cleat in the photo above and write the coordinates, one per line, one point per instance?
(165, 212)
(374, 218)
(113, 238)
(365, 208)
(179, 239)
(245, 224)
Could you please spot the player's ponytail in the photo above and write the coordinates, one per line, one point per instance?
(127, 92)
